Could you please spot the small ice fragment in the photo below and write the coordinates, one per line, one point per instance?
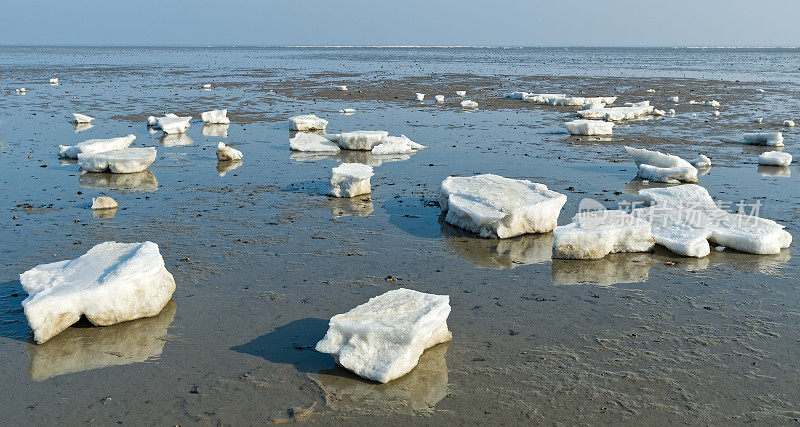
(694, 115)
(21, 90)
(702, 161)
(207, 86)
(772, 139)
(342, 88)
(713, 103)
(307, 122)
(216, 117)
(82, 118)
(125, 160)
(95, 146)
(53, 81)
(104, 202)
(595, 234)
(789, 123)
(775, 158)
(225, 153)
(660, 167)
(494, 206)
(174, 125)
(439, 98)
(469, 104)
(396, 145)
(516, 95)
(671, 111)
(350, 180)
(361, 139)
(716, 113)
(383, 339)
(657, 112)
(311, 142)
(420, 96)
(578, 100)
(719, 248)
(347, 111)
(614, 114)
(591, 105)
(759, 120)
(461, 93)
(589, 127)
(674, 99)
(760, 90)
(651, 90)
(111, 283)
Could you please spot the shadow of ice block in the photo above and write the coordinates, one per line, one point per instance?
(139, 182)
(774, 171)
(80, 127)
(498, 253)
(610, 270)
(175, 140)
(87, 348)
(225, 166)
(215, 130)
(417, 392)
(350, 206)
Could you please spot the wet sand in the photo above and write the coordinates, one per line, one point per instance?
(263, 258)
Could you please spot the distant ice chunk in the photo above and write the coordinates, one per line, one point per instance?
(775, 158)
(95, 146)
(772, 139)
(685, 219)
(543, 98)
(659, 167)
(439, 98)
(104, 202)
(469, 104)
(671, 112)
(674, 99)
(53, 81)
(350, 180)
(589, 127)
(714, 103)
(579, 100)
(383, 339)
(361, 139)
(759, 120)
(173, 125)
(615, 114)
(82, 118)
(125, 160)
(461, 93)
(716, 113)
(225, 153)
(347, 111)
(21, 90)
(516, 95)
(207, 86)
(307, 122)
(701, 161)
(215, 117)
(760, 90)
(109, 284)
(657, 112)
(311, 142)
(396, 145)
(342, 88)
(420, 96)
(637, 104)
(651, 90)
(789, 123)
(494, 206)
(595, 234)
(591, 105)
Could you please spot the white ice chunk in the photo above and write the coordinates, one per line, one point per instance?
(420, 96)
(396, 145)
(347, 111)
(461, 93)
(637, 104)
(439, 98)
(312, 142)
(173, 125)
(207, 86)
(361, 139)
(701, 161)
(595, 234)
(760, 90)
(579, 100)
(216, 117)
(104, 202)
(383, 339)
(759, 120)
(307, 122)
(651, 90)
(675, 99)
(342, 88)
(589, 127)
(789, 123)
(494, 206)
(53, 81)
(516, 95)
(614, 114)
(225, 153)
(671, 111)
(775, 158)
(685, 219)
(125, 160)
(714, 103)
(772, 139)
(657, 112)
(95, 146)
(111, 283)
(350, 180)
(469, 104)
(82, 118)
(660, 167)
(716, 113)
(543, 98)
(591, 105)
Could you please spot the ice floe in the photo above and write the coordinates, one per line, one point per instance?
(173, 125)
(225, 153)
(215, 117)
(307, 122)
(125, 160)
(347, 111)
(775, 158)
(589, 127)
(772, 139)
(516, 95)
(789, 123)
(95, 146)
(350, 180)
(702, 161)
(420, 96)
(615, 114)
(439, 98)
(81, 118)
(579, 100)
(342, 88)
(104, 202)
(685, 219)
(311, 142)
(660, 167)
(383, 339)
(674, 99)
(461, 93)
(53, 81)
(396, 145)
(595, 234)
(361, 139)
(469, 104)
(494, 206)
(111, 283)
(207, 86)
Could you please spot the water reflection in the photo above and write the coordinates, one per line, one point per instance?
(349, 156)
(417, 392)
(614, 268)
(498, 253)
(104, 213)
(143, 181)
(223, 167)
(347, 206)
(80, 127)
(216, 130)
(774, 171)
(175, 140)
(86, 348)
(635, 185)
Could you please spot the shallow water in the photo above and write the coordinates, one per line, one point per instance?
(262, 258)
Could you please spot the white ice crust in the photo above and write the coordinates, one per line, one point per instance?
(307, 122)
(104, 202)
(311, 142)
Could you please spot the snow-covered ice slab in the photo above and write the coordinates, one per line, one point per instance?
(111, 283)
(361, 139)
(516, 95)
(307, 122)
(420, 96)
(579, 100)
(702, 161)
(216, 117)
(225, 153)
(494, 206)
(595, 234)
(174, 125)
(589, 127)
(615, 114)
(126, 160)
(351, 179)
(469, 104)
(311, 142)
(104, 202)
(461, 93)
(775, 158)
(81, 118)
(685, 219)
(95, 146)
(543, 98)
(772, 139)
(383, 339)
(661, 167)
(396, 145)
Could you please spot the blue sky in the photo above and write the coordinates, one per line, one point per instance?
(399, 22)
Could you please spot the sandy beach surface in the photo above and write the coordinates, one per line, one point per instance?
(263, 258)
